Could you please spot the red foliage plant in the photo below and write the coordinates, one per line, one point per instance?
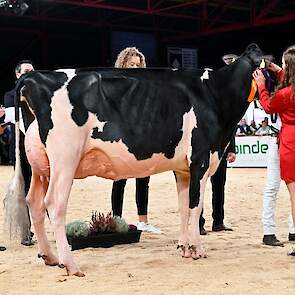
(101, 223)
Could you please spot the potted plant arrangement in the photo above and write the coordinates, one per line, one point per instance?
(102, 231)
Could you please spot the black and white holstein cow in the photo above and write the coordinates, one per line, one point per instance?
(126, 123)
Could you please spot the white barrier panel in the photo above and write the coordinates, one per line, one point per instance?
(251, 151)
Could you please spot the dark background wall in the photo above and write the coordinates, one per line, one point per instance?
(52, 45)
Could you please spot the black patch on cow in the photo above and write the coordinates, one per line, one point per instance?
(39, 90)
(143, 108)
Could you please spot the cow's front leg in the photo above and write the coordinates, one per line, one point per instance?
(56, 202)
(196, 205)
(35, 200)
(182, 183)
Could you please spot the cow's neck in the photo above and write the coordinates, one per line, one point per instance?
(231, 86)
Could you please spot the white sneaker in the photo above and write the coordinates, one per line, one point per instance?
(148, 227)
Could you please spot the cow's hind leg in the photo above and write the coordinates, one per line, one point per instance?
(35, 200)
(182, 183)
(196, 247)
(56, 203)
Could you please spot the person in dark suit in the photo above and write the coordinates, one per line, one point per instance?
(22, 67)
(218, 183)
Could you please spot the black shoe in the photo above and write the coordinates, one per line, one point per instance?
(221, 227)
(203, 232)
(27, 242)
(2, 248)
(291, 237)
(271, 240)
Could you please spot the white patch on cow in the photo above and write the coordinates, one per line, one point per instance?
(98, 124)
(213, 163)
(262, 64)
(189, 123)
(71, 73)
(175, 69)
(206, 74)
(110, 159)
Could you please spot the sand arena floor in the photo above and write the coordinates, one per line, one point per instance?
(238, 263)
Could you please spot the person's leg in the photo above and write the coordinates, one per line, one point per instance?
(291, 188)
(291, 228)
(202, 221)
(12, 145)
(117, 196)
(270, 194)
(218, 183)
(142, 195)
(25, 165)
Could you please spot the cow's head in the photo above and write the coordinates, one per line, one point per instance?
(256, 57)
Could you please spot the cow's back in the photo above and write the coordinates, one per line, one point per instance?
(127, 125)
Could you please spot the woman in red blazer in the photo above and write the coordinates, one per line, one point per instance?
(283, 102)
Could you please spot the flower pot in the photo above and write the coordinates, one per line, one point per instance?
(105, 240)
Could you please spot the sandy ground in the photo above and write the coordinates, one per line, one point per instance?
(238, 263)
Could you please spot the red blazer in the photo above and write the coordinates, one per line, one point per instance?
(282, 103)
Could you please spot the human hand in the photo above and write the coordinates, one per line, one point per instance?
(258, 77)
(2, 111)
(1, 130)
(231, 157)
(274, 67)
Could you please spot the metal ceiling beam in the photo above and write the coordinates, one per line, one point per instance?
(93, 1)
(234, 27)
(270, 5)
(124, 8)
(42, 18)
(20, 30)
(158, 3)
(224, 8)
(185, 4)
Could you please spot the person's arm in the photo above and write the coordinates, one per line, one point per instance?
(2, 111)
(277, 70)
(231, 146)
(277, 103)
(9, 107)
(231, 151)
(258, 131)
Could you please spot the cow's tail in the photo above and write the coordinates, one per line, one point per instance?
(17, 220)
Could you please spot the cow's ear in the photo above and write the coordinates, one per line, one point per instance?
(252, 47)
(229, 58)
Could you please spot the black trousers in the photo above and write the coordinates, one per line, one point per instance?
(218, 182)
(142, 193)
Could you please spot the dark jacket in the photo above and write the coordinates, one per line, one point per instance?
(232, 146)
(9, 98)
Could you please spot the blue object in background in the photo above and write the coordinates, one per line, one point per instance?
(146, 43)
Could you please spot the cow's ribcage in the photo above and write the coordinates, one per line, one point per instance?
(108, 159)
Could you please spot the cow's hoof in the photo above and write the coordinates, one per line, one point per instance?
(79, 274)
(197, 252)
(60, 265)
(184, 251)
(76, 273)
(51, 261)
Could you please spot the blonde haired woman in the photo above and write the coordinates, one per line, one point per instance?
(283, 102)
(131, 57)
